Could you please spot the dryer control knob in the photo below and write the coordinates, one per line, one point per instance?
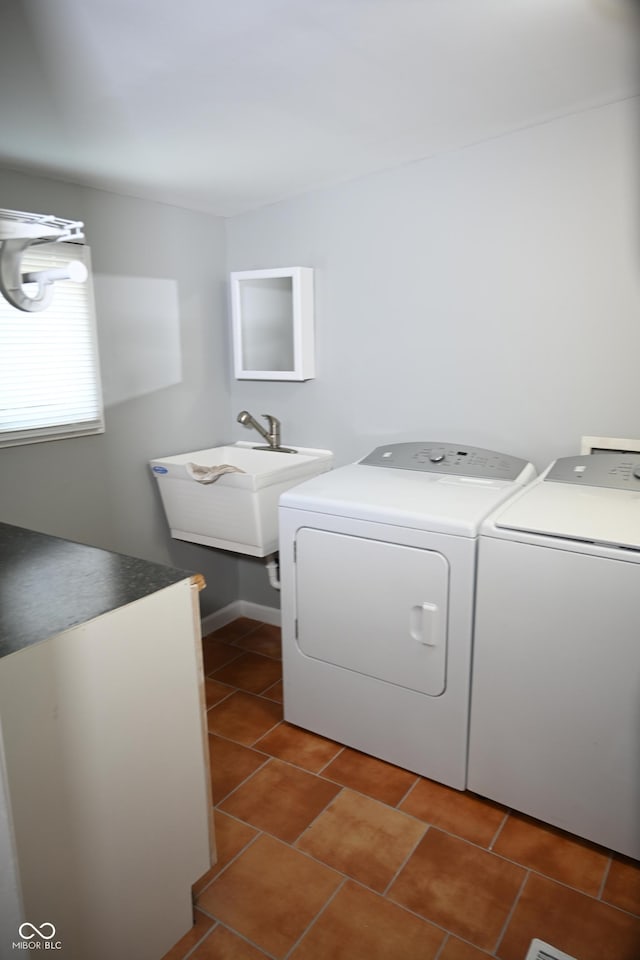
(636, 472)
(436, 457)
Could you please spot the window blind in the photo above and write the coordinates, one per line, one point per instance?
(49, 370)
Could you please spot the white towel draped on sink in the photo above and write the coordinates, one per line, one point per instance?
(210, 474)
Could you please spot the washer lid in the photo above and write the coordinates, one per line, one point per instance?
(407, 498)
(592, 514)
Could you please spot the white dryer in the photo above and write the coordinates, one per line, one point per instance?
(377, 567)
(555, 707)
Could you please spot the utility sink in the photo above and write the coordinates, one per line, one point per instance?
(238, 511)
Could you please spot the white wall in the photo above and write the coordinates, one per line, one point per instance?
(162, 326)
(489, 296)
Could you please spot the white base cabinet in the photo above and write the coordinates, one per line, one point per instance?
(107, 776)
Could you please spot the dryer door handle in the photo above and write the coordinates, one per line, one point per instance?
(423, 623)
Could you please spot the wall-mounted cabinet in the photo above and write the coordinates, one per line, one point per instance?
(272, 314)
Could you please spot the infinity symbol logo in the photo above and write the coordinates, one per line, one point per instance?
(40, 931)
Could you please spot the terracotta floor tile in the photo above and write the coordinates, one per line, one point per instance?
(556, 854)
(270, 894)
(235, 630)
(215, 654)
(215, 692)
(202, 924)
(623, 884)
(377, 779)
(223, 944)
(299, 746)
(467, 890)
(230, 764)
(275, 692)
(266, 639)
(581, 926)
(243, 717)
(363, 838)
(464, 814)
(281, 800)
(231, 837)
(250, 672)
(457, 950)
(360, 925)
(347, 811)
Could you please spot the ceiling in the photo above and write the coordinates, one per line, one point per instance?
(227, 105)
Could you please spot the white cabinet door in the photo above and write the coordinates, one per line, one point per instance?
(377, 608)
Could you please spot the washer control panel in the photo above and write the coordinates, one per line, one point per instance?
(618, 471)
(447, 458)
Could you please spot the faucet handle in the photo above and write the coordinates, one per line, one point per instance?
(274, 428)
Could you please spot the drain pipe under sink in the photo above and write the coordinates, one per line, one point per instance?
(273, 570)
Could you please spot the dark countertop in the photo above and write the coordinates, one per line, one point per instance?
(48, 585)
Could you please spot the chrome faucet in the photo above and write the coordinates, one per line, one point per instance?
(271, 436)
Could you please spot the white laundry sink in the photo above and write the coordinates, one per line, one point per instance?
(238, 511)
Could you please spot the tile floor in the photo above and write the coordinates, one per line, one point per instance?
(328, 854)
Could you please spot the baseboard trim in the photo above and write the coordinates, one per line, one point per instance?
(240, 608)
(260, 611)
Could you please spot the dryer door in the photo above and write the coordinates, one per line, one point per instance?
(374, 607)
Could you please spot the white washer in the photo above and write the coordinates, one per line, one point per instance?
(555, 707)
(377, 566)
